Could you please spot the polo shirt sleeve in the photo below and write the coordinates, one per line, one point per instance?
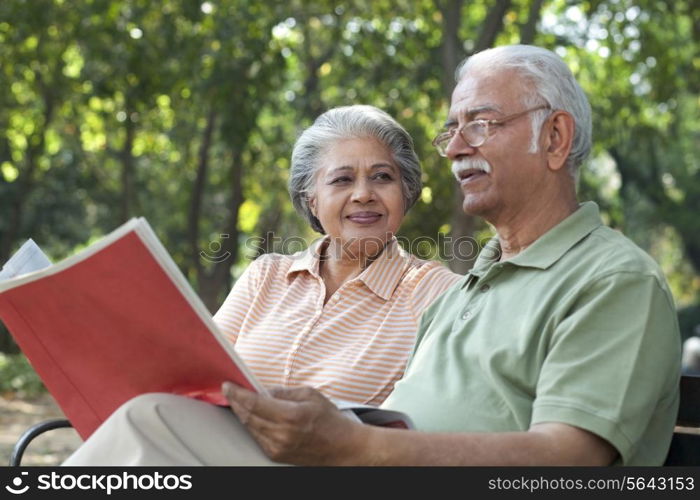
(428, 283)
(613, 360)
(230, 315)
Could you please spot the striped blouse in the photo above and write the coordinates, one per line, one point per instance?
(353, 348)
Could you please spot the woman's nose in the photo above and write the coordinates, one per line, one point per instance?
(362, 192)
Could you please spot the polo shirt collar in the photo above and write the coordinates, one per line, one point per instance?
(382, 276)
(551, 246)
(308, 260)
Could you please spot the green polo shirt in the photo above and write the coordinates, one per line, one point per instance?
(579, 328)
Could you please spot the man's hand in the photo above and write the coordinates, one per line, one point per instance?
(297, 426)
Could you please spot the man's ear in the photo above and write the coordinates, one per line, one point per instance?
(560, 129)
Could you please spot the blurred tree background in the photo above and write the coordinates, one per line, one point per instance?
(185, 112)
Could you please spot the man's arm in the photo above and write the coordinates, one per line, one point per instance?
(300, 426)
(543, 444)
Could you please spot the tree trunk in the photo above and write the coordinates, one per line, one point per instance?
(312, 103)
(213, 285)
(197, 197)
(451, 47)
(493, 25)
(529, 29)
(127, 158)
(462, 225)
(270, 223)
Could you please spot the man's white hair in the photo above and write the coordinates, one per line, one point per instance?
(549, 81)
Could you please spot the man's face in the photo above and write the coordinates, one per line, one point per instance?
(511, 178)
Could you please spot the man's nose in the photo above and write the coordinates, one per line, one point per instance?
(458, 147)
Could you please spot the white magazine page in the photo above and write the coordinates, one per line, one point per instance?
(373, 415)
(27, 259)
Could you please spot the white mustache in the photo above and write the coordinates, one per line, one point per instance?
(470, 163)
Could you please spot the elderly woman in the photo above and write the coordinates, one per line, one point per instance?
(342, 315)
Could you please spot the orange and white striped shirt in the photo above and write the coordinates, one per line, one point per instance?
(353, 348)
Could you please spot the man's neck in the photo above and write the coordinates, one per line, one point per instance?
(524, 228)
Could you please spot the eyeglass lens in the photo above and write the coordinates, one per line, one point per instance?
(475, 133)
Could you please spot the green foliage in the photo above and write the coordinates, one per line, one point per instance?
(639, 61)
(186, 113)
(17, 376)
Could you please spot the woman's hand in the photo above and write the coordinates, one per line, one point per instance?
(298, 426)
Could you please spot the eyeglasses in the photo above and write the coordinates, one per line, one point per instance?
(477, 132)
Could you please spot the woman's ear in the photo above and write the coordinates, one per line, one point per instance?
(560, 136)
(312, 206)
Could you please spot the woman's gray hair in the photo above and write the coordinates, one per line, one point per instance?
(552, 82)
(350, 122)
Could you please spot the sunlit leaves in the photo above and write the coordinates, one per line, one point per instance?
(91, 86)
(9, 171)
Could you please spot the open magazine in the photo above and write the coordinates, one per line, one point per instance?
(119, 319)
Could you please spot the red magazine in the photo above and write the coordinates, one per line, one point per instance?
(114, 321)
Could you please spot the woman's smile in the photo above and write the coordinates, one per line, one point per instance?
(364, 217)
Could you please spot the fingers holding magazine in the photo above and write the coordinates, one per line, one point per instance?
(297, 425)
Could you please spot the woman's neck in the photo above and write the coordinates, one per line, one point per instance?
(340, 264)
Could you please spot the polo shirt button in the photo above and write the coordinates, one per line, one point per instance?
(467, 315)
(485, 288)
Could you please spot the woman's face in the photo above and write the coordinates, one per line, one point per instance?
(358, 196)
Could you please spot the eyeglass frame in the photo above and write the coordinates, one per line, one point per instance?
(448, 135)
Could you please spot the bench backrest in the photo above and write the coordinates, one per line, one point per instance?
(685, 446)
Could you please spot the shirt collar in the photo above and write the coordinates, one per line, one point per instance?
(382, 276)
(308, 260)
(551, 246)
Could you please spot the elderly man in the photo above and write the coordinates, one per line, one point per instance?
(561, 346)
